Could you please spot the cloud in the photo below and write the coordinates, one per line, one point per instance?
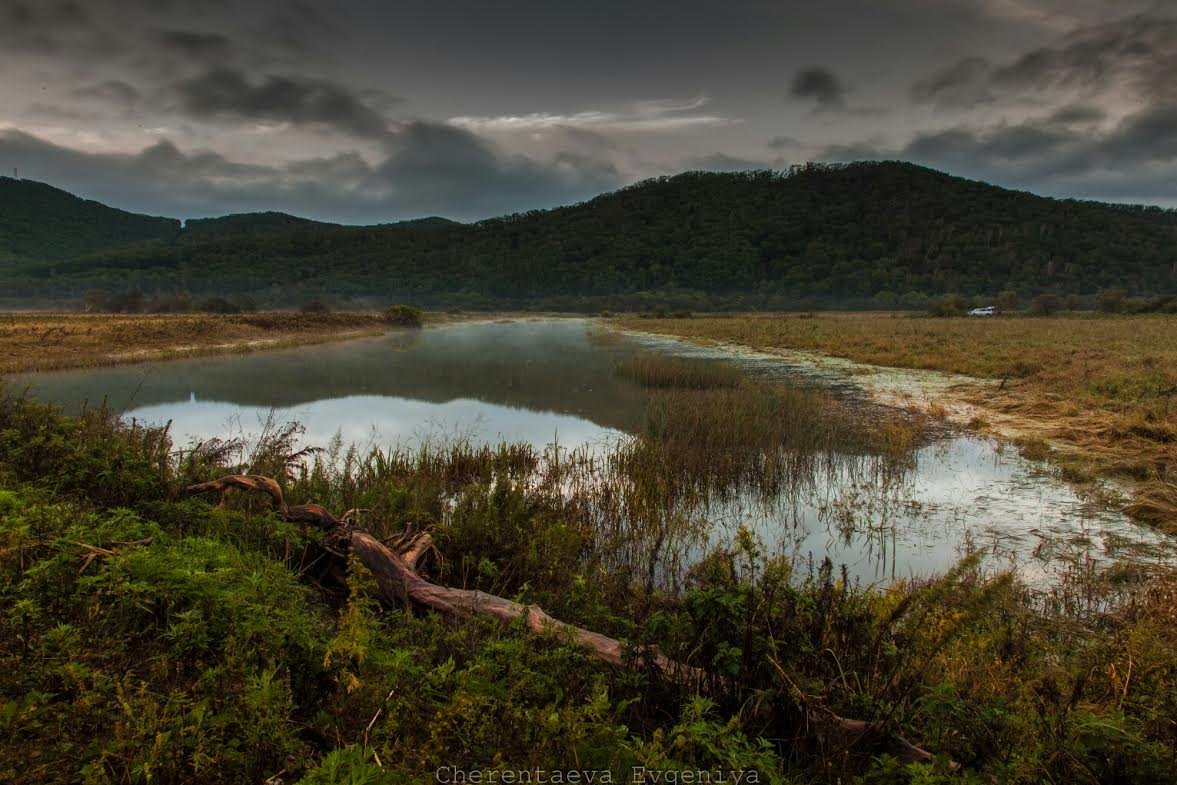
(442, 168)
(1059, 154)
(227, 94)
(1078, 114)
(50, 28)
(722, 162)
(644, 116)
(785, 143)
(1136, 56)
(429, 168)
(963, 84)
(192, 44)
(111, 91)
(818, 84)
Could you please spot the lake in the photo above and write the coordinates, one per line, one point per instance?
(548, 382)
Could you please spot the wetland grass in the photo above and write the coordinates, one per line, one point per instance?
(32, 342)
(717, 429)
(1096, 392)
(660, 370)
(146, 633)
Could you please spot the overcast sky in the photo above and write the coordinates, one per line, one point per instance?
(365, 111)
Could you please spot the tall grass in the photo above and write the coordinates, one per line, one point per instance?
(710, 428)
(1100, 388)
(659, 370)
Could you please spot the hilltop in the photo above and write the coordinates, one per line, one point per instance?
(40, 222)
(881, 233)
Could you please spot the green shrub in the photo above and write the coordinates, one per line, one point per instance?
(403, 316)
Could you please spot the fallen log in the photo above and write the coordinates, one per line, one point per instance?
(399, 583)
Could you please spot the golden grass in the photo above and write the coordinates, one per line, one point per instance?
(1101, 388)
(656, 370)
(710, 429)
(53, 341)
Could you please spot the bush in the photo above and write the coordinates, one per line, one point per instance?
(125, 302)
(245, 303)
(1046, 304)
(176, 303)
(315, 306)
(403, 316)
(948, 305)
(1111, 300)
(217, 305)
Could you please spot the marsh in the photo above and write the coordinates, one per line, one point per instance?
(565, 387)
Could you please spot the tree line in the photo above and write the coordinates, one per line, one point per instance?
(870, 235)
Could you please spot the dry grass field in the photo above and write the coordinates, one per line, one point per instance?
(53, 341)
(1100, 390)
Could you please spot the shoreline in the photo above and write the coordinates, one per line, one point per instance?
(45, 342)
(988, 407)
(1043, 424)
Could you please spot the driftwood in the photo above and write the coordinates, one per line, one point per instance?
(396, 569)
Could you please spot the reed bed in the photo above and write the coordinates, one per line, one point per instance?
(660, 370)
(1100, 389)
(715, 430)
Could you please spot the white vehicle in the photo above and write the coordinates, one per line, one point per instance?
(988, 310)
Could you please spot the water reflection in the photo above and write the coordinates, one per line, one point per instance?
(545, 381)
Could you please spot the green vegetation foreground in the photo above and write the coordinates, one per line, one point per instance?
(150, 638)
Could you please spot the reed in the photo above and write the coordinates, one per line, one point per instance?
(664, 371)
(1098, 389)
(711, 429)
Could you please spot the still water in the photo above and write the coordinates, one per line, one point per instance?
(548, 382)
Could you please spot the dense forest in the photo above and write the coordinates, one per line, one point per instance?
(866, 234)
(40, 223)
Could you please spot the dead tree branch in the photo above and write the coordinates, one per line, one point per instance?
(399, 583)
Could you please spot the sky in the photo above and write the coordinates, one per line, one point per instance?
(368, 111)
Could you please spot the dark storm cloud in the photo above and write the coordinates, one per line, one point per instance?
(193, 44)
(111, 91)
(962, 84)
(818, 84)
(518, 112)
(784, 142)
(429, 169)
(229, 94)
(722, 162)
(1078, 114)
(36, 16)
(1134, 159)
(448, 169)
(1137, 55)
(51, 28)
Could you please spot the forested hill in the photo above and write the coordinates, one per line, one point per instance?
(40, 222)
(864, 233)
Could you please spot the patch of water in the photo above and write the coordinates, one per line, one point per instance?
(546, 381)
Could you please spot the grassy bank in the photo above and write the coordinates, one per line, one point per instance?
(53, 341)
(150, 638)
(1103, 389)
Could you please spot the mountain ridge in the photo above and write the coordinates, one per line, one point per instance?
(883, 231)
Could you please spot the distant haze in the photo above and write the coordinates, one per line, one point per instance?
(363, 111)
